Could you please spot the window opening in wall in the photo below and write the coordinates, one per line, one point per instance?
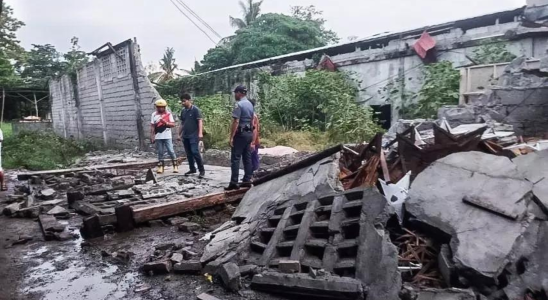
(90, 70)
(106, 66)
(122, 62)
(383, 114)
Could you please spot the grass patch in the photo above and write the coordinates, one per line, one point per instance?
(299, 140)
(41, 151)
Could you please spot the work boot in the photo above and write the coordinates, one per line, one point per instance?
(175, 167)
(202, 175)
(232, 186)
(160, 169)
(246, 184)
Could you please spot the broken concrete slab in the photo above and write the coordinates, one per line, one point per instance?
(446, 265)
(230, 275)
(481, 240)
(249, 270)
(329, 287)
(158, 267)
(449, 294)
(50, 226)
(73, 196)
(92, 227)
(189, 266)
(12, 208)
(212, 267)
(534, 167)
(204, 296)
(57, 210)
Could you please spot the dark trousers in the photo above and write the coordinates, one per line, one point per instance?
(241, 148)
(193, 154)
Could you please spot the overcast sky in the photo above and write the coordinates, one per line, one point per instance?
(157, 24)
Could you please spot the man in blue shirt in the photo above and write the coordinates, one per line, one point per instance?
(241, 136)
(191, 132)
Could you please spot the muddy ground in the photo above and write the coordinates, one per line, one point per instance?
(76, 269)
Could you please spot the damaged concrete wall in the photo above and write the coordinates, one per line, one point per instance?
(109, 101)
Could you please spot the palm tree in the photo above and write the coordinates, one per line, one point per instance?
(250, 12)
(168, 65)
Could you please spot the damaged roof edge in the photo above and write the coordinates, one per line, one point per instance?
(468, 23)
(97, 52)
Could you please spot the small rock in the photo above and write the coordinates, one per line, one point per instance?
(313, 273)
(289, 266)
(191, 266)
(164, 247)
(321, 272)
(177, 221)
(158, 267)
(248, 270)
(142, 288)
(189, 227)
(105, 253)
(168, 278)
(22, 240)
(177, 258)
(48, 194)
(58, 210)
(189, 243)
(230, 274)
(204, 296)
(73, 196)
(208, 212)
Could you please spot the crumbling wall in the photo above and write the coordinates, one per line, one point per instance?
(108, 102)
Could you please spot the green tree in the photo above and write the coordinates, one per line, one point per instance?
(75, 58)
(8, 28)
(42, 63)
(311, 14)
(168, 65)
(250, 12)
(216, 58)
(8, 77)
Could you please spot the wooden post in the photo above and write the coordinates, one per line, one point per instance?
(35, 103)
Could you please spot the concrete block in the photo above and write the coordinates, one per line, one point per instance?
(302, 285)
(248, 270)
(189, 227)
(158, 267)
(177, 258)
(191, 266)
(230, 274)
(212, 268)
(289, 266)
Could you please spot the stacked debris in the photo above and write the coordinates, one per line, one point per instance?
(458, 219)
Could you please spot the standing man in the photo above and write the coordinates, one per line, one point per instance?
(161, 123)
(241, 136)
(191, 131)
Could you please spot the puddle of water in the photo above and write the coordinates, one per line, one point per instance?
(78, 282)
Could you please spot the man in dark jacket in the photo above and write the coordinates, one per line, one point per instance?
(191, 132)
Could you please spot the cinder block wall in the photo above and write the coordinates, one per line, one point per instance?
(109, 101)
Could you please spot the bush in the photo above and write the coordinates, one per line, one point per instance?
(319, 101)
(41, 151)
(217, 117)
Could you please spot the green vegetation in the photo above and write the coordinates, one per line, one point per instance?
(440, 87)
(7, 130)
(492, 53)
(40, 151)
(304, 112)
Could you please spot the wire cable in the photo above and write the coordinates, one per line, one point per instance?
(199, 18)
(190, 19)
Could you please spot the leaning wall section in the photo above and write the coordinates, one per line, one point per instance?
(110, 101)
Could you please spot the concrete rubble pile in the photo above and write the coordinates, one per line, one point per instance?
(454, 218)
(108, 182)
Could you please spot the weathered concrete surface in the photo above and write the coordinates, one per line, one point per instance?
(534, 167)
(230, 274)
(320, 179)
(481, 240)
(329, 287)
(530, 270)
(450, 294)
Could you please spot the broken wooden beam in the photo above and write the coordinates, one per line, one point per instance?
(299, 165)
(173, 208)
(150, 163)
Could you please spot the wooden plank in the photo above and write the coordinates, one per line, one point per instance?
(276, 237)
(299, 165)
(174, 208)
(368, 176)
(151, 163)
(384, 165)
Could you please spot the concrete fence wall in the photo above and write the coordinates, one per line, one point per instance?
(109, 101)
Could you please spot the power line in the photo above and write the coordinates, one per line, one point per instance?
(184, 14)
(199, 19)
